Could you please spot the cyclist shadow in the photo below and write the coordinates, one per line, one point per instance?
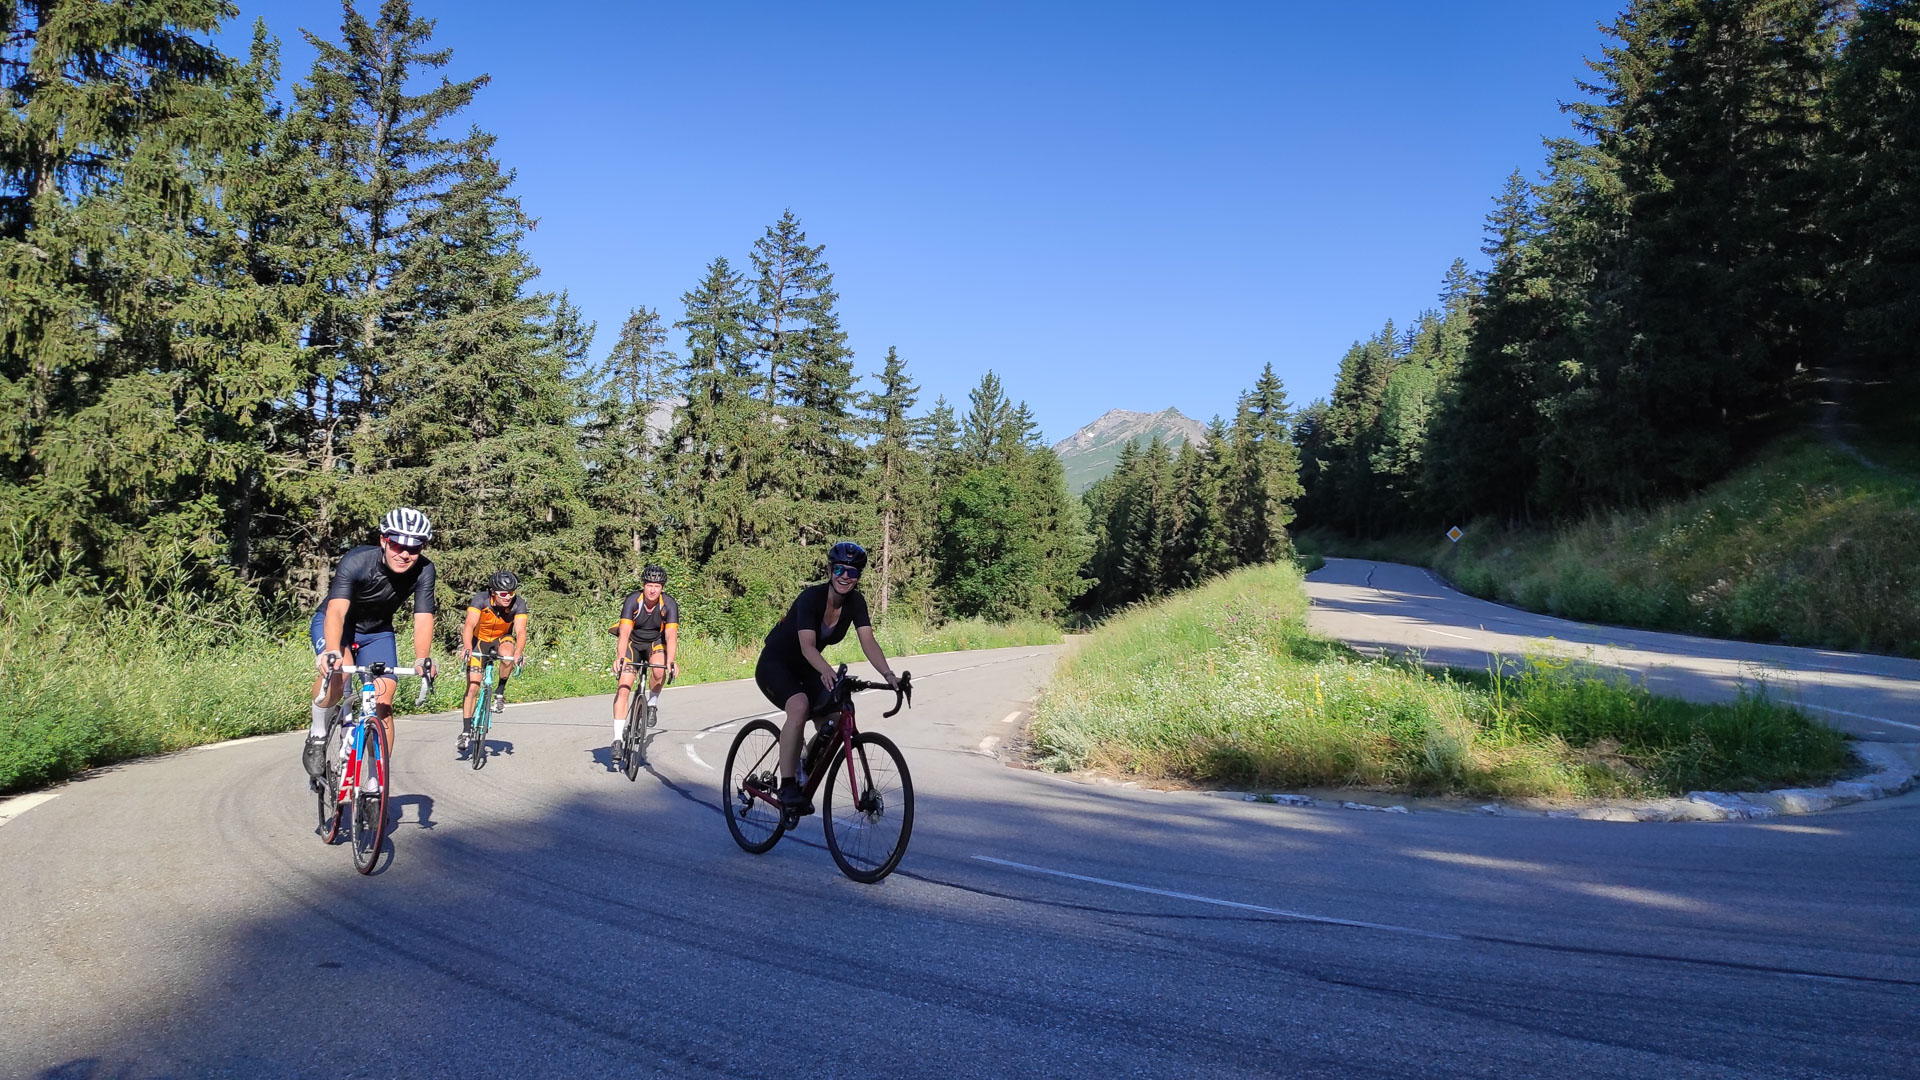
(494, 747)
(603, 755)
(422, 815)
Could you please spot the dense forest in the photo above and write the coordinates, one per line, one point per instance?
(1734, 217)
(238, 328)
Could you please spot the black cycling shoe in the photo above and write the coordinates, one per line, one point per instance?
(793, 801)
(466, 733)
(314, 757)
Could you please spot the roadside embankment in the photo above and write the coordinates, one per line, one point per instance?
(1225, 686)
(1810, 544)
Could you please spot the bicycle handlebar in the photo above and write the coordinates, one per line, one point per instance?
(902, 693)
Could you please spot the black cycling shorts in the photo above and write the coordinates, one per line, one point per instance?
(780, 682)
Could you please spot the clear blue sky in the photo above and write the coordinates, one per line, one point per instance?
(1114, 205)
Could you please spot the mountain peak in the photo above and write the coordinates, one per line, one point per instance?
(1092, 452)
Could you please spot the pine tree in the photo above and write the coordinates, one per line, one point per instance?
(899, 479)
(984, 430)
(1875, 204)
(1264, 474)
(634, 402)
(723, 424)
(119, 115)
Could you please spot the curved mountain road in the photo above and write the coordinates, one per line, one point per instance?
(1390, 606)
(546, 917)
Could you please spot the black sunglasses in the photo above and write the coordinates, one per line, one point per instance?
(845, 571)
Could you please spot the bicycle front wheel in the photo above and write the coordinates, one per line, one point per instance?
(329, 794)
(868, 812)
(477, 746)
(636, 734)
(370, 800)
(750, 785)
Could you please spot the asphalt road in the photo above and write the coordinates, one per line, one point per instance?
(1390, 606)
(546, 917)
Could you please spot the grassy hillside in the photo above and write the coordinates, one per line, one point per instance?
(1808, 545)
(1225, 685)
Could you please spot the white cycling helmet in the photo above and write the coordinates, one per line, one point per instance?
(406, 526)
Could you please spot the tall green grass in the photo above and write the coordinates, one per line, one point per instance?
(88, 678)
(1225, 685)
(1806, 546)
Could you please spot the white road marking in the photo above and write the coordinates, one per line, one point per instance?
(1302, 916)
(1011, 717)
(1863, 716)
(235, 742)
(20, 804)
(1443, 633)
(696, 758)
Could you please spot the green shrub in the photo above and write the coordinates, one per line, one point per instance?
(1224, 685)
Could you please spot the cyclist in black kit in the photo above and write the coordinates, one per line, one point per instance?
(648, 633)
(792, 673)
(369, 585)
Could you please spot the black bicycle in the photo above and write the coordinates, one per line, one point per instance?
(642, 715)
(868, 818)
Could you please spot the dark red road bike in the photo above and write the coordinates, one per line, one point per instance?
(865, 792)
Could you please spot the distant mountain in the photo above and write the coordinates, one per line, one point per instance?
(1092, 452)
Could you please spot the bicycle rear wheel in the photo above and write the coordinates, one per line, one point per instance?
(868, 835)
(370, 800)
(636, 738)
(750, 785)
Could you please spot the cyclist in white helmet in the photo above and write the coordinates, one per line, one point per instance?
(369, 585)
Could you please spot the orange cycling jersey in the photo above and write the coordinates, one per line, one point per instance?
(495, 623)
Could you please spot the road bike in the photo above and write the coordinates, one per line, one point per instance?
(868, 817)
(353, 789)
(642, 715)
(476, 740)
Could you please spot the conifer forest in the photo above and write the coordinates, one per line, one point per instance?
(243, 312)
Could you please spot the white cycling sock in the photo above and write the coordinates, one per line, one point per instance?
(318, 729)
(653, 697)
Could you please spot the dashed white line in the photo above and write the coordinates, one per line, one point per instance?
(696, 758)
(1012, 716)
(1300, 915)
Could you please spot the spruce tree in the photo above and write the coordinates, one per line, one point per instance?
(898, 479)
(1874, 206)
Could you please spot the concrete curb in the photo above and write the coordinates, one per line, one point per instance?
(1893, 774)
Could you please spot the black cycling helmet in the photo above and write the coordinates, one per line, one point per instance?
(653, 574)
(848, 553)
(503, 581)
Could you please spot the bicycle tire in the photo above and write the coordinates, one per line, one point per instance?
(636, 735)
(329, 794)
(860, 836)
(370, 809)
(477, 742)
(756, 825)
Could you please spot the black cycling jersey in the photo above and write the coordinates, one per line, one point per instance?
(373, 592)
(649, 623)
(809, 612)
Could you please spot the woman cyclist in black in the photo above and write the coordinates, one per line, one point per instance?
(791, 671)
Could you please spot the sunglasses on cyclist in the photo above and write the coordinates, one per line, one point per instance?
(503, 595)
(411, 549)
(848, 572)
